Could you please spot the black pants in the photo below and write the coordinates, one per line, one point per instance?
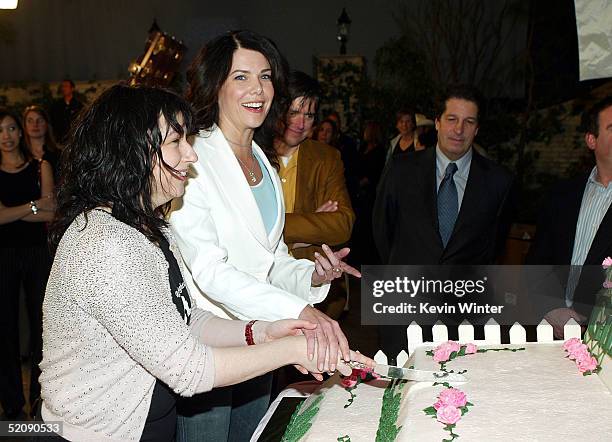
(28, 267)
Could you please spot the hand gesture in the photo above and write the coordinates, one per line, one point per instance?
(331, 266)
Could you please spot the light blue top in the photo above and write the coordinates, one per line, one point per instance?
(595, 203)
(265, 196)
(462, 174)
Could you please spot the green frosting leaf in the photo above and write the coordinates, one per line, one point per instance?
(387, 428)
(300, 423)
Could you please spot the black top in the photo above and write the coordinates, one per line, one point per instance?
(62, 116)
(16, 189)
(53, 159)
(397, 150)
(161, 420)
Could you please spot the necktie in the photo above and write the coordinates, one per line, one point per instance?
(448, 204)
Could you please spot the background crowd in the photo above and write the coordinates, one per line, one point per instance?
(426, 193)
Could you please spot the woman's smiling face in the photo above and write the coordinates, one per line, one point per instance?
(247, 93)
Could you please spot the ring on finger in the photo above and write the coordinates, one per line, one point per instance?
(337, 270)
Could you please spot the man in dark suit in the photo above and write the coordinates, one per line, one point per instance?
(64, 111)
(575, 225)
(446, 205)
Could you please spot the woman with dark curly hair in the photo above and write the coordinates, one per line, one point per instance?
(121, 336)
(230, 221)
(26, 203)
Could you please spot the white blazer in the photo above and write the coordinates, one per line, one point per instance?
(234, 268)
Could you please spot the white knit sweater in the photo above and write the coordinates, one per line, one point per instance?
(110, 329)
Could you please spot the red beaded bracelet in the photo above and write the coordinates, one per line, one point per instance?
(248, 332)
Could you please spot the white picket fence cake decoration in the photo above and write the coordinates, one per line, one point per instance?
(492, 332)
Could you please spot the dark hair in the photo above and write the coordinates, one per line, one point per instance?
(374, 132)
(335, 132)
(23, 148)
(400, 113)
(590, 121)
(50, 143)
(332, 114)
(69, 81)
(303, 85)
(210, 69)
(110, 156)
(462, 92)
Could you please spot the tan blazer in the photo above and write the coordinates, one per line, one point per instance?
(320, 177)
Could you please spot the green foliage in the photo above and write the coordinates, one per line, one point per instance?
(344, 84)
(598, 337)
(387, 425)
(300, 423)
(402, 80)
(41, 95)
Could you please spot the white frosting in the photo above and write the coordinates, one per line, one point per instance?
(535, 394)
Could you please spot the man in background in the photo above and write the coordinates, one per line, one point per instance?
(317, 205)
(575, 225)
(65, 110)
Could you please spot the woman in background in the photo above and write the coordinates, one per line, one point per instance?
(403, 143)
(26, 203)
(327, 132)
(39, 137)
(371, 163)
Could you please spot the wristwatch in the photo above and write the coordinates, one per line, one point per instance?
(33, 207)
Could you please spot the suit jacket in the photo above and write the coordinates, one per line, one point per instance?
(320, 177)
(406, 216)
(555, 236)
(235, 268)
(392, 142)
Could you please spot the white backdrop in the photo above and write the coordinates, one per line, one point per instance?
(594, 22)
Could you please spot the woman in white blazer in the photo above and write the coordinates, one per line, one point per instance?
(230, 221)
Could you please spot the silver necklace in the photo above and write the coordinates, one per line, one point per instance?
(252, 175)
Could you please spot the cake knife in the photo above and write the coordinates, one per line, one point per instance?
(410, 374)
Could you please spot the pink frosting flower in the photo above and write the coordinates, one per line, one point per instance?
(470, 349)
(442, 354)
(448, 414)
(579, 352)
(573, 342)
(443, 351)
(607, 284)
(607, 263)
(349, 381)
(587, 364)
(454, 346)
(452, 396)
